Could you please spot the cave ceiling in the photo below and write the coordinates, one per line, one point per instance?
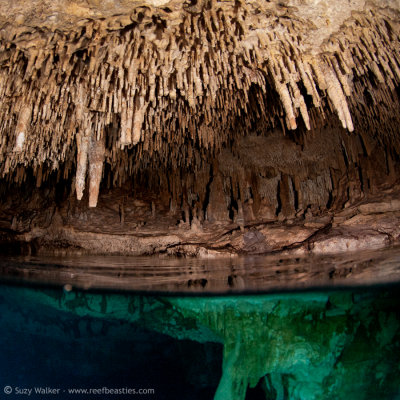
(128, 83)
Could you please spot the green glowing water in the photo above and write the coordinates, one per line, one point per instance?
(304, 345)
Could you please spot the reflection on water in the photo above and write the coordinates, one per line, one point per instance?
(193, 275)
(301, 345)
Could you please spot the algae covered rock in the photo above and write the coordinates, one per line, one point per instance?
(304, 345)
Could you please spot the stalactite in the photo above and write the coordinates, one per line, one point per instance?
(22, 128)
(162, 82)
(96, 161)
(337, 97)
(82, 143)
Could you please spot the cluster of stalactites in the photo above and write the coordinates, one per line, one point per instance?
(185, 82)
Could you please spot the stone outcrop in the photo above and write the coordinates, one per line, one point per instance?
(315, 345)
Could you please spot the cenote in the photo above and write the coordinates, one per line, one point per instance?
(206, 336)
(200, 199)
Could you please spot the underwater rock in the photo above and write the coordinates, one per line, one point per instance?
(304, 345)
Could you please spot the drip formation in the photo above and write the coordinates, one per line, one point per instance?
(173, 84)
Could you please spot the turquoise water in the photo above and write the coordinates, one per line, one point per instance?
(300, 345)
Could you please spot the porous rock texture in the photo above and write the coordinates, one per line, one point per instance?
(315, 345)
(199, 127)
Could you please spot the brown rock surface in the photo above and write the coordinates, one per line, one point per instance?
(141, 127)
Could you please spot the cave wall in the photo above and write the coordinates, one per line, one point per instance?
(166, 116)
(262, 181)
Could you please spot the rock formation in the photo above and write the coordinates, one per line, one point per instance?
(313, 345)
(175, 120)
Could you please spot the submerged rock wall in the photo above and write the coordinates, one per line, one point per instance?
(302, 345)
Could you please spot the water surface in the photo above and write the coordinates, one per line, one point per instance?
(284, 330)
(251, 274)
